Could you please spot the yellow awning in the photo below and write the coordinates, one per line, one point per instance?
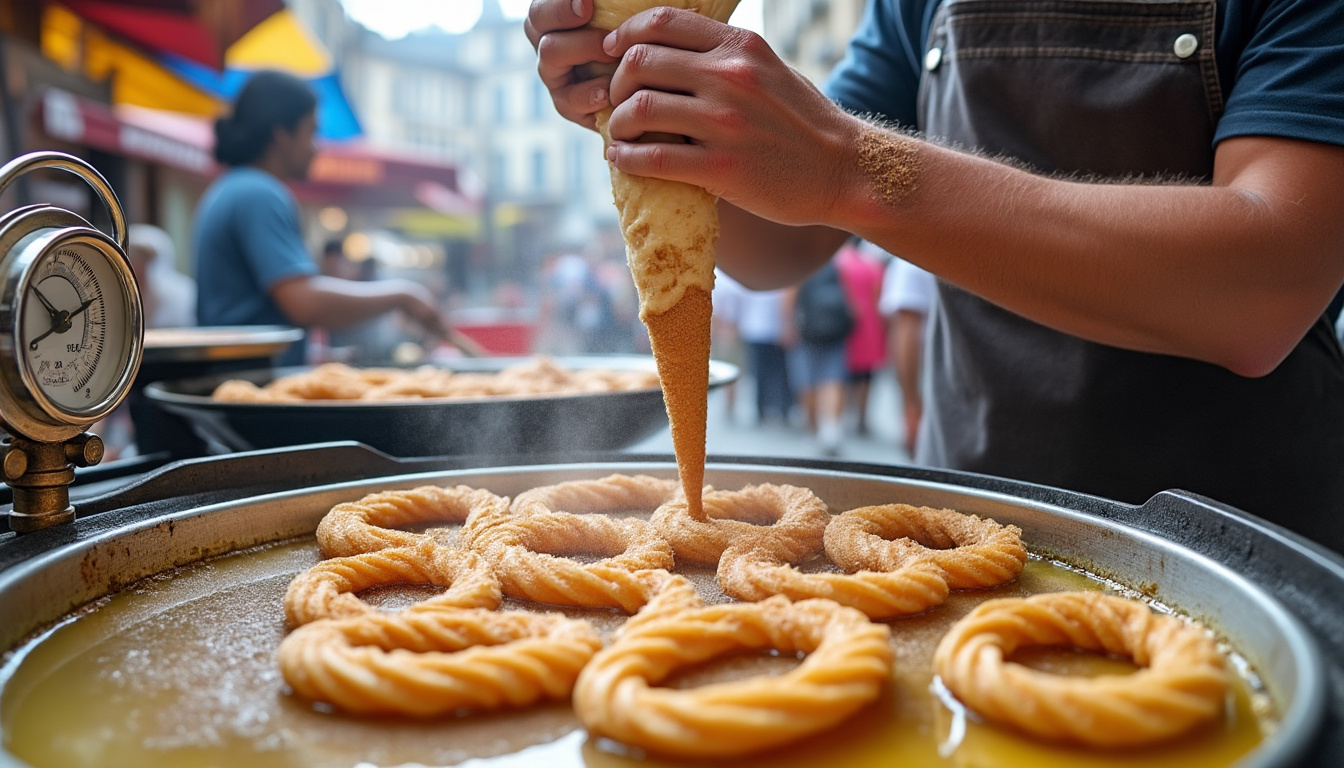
(136, 79)
(280, 42)
(425, 224)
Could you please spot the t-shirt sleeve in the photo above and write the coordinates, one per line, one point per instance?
(269, 239)
(906, 287)
(1288, 79)
(879, 74)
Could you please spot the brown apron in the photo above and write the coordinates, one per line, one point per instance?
(1114, 90)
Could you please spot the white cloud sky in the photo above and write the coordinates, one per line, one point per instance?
(395, 19)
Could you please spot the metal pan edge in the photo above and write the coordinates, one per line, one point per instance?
(50, 585)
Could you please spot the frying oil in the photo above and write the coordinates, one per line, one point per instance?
(181, 672)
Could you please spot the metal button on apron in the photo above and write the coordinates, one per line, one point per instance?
(1185, 45)
(933, 58)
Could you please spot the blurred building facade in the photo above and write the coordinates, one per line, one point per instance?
(475, 101)
(811, 35)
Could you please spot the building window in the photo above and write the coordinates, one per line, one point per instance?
(541, 100)
(539, 170)
(576, 160)
(499, 172)
(501, 105)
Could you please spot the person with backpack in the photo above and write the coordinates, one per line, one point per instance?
(823, 321)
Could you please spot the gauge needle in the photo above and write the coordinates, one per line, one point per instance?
(71, 316)
(50, 309)
(33, 344)
(60, 320)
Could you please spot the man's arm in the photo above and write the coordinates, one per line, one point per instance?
(330, 302)
(1233, 273)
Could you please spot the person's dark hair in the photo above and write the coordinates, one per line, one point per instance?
(269, 99)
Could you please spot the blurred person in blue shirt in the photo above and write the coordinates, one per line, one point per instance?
(251, 262)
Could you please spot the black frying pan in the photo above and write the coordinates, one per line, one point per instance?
(452, 427)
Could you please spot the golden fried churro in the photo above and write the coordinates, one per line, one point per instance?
(785, 520)
(1182, 680)
(748, 573)
(434, 662)
(849, 659)
(370, 524)
(327, 590)
(613, 493)
(529, 555)
(974, 552)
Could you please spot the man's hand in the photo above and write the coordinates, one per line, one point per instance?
(419, 304)
(760, 135)
(570, 58)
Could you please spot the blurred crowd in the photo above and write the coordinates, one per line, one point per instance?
(810, 352)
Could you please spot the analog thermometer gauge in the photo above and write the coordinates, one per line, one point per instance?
(73, 329)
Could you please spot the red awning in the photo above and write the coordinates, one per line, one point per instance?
(356, 174)
(341, 174)
(199, 31)
(82, 121)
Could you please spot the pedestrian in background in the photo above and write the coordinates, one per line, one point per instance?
(764, 326)
(823, 321)
(167, 296)
(861, 265)
(908, 294)
(248, 245)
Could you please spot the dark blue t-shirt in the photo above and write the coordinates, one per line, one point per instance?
(1280, 64)
(247, 239)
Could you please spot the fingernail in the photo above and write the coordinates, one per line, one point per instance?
(578, 7)
(609, 42)
(611, 154)
(597, 96)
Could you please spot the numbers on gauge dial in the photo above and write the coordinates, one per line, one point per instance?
(65, 334)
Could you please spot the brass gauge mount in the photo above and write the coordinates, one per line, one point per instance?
(71, 339)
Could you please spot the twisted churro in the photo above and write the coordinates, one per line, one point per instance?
(849, 659)
(974, 552)
(753, 574)
(1182, 680)
(434, 662)
(369, 524)
(787, 521)
(523, 551)
(327, 590)
(613, 493)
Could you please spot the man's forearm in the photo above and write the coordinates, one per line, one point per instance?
(330, 302)
(1232, 273)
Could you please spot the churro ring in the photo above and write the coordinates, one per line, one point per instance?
(754, 574)
(327, 590)
(435, 662)
(849, 660)
(1182, 681)
(369, 524)
(785, 520)
(529, 555)
(613, 493)
(974, 552)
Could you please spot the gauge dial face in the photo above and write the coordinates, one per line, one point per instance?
(75, 328)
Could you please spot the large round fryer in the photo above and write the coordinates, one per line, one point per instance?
(460, 426)
(1276, 596)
